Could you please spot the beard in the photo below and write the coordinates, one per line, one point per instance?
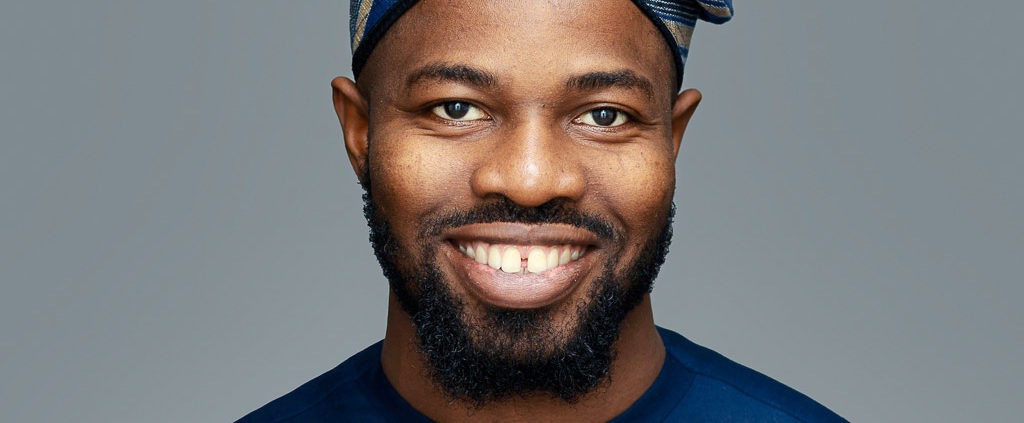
(499, 353)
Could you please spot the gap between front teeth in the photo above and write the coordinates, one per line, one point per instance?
(517, 259)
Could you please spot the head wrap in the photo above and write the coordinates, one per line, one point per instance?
(370, 19)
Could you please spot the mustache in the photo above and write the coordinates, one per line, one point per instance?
(506, 211)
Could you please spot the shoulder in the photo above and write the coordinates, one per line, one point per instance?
(354, 390)
(721, 389)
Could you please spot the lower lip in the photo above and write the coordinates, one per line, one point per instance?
(518, 290)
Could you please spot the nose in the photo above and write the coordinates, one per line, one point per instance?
(532, 163)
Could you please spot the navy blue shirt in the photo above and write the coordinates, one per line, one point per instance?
(695, 385)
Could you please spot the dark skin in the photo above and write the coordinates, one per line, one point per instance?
(462, 102)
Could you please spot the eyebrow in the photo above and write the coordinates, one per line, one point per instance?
(444, 72)
(622, 79)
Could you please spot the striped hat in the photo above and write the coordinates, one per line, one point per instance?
(675, 19)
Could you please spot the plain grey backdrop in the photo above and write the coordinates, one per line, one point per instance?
(181, 237)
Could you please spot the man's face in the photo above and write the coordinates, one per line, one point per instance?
(520, 172)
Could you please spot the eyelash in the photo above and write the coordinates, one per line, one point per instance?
(619, 118)
(439, 111)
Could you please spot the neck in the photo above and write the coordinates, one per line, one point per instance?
(639, 355)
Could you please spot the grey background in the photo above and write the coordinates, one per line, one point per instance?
(181, 237)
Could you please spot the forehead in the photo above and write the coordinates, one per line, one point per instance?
(523, 41)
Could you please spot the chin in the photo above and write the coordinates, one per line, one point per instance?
(487, 338)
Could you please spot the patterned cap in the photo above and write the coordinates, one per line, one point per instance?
(675, 19)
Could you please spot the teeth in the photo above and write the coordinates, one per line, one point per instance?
(552, 259)
(494, 257)
(511, 261)
(509, 258)
(481, 254)
(537, 262)
(564, 257)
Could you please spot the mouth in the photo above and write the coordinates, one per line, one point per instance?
(521, 266)
(521, 259)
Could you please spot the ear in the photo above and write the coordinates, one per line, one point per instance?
(682, 110)
(352, 110)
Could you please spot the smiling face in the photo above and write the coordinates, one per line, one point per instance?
(519, 162)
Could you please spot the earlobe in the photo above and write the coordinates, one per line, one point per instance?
(352, 110)
(682, 110)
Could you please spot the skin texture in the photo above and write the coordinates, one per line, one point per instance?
(532, 72)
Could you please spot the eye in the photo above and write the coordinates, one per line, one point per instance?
(605, 117)
(458, 111)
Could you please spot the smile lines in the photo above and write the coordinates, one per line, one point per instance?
(515, 258)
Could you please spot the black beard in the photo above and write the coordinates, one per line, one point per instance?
(513, 352)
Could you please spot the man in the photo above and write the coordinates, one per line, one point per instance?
(518, 161)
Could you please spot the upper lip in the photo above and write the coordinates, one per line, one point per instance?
(524, 234)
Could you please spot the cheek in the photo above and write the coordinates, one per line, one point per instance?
(638, 186)
(412, 178)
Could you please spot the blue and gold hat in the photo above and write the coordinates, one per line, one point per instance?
(370, 20)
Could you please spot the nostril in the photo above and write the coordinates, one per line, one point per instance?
(530, 166)
(531, 188)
